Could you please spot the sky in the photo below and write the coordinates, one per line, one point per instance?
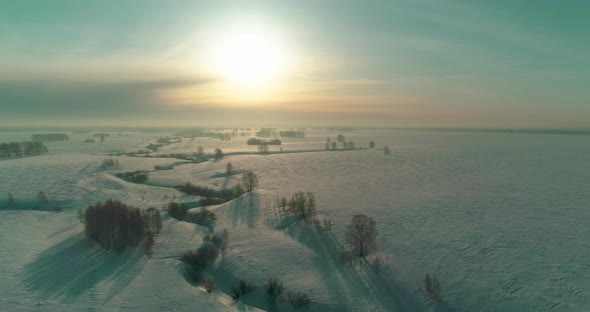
(390, 63)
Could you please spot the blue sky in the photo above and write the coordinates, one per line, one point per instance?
(387, 63)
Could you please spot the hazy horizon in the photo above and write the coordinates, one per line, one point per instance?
(455, 64)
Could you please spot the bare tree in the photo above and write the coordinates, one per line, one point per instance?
(249, 181)
(229, 168)
(334, 145)
(200, 151)
(361, 234)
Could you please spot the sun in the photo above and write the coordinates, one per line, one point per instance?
(249, 58)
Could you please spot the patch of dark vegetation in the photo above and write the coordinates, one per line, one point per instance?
(301, 205)
(222, 136)
(241, 288)
(218, 154)
(117, 226)
(49, 137)
(255, 141)
(210, 201)
(22, 149)
(263, 149)
(177, 211)
(194, 133)
(296, 134)
(109, 163)
(198, 261)
(218, 240)
(162, 167)
(134, 176)
(298, 299)
(274, 288)
(203, 217)
(154, 147)
(213, 197)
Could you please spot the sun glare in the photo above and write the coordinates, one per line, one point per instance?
(249, 58)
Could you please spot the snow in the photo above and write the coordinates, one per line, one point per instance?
(499, 219)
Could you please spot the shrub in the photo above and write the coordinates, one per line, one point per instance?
(372, 144)
(177, 211)
(242, 288)
(135, 176)
(108, 163)
(334, 145)
(218, 154)
(229, 168)
(249, 181)
(225, 193)
(204, 217)
(431, 289)
(201, 259)
(340, 138)
(217, 240)
(117, 226)
(360, 235)
(274, 288)
(298, 299)
(210, 285)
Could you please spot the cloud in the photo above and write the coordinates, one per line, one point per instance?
(43, 98)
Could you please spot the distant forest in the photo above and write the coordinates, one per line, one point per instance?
(49, 137)
(254, 141)
(22, 149)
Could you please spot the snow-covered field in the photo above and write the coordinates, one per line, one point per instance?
(500, 219)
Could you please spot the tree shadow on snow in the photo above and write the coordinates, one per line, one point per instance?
(350, 281)
(76, 265)
(244, 210)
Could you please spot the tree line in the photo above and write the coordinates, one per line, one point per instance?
(22, 149)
